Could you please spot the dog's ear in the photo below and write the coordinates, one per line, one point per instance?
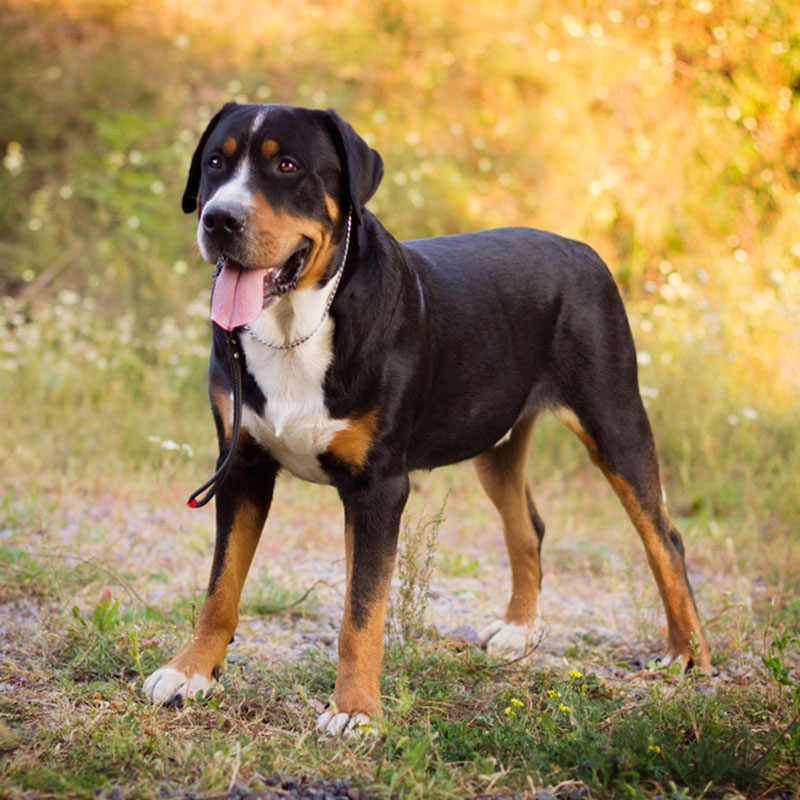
(362, 167)
(189, 202)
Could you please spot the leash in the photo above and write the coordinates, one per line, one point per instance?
(212, 484)
(235, 354)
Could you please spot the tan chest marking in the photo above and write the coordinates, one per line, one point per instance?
(352, 444)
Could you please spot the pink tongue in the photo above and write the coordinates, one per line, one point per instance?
(238, 296)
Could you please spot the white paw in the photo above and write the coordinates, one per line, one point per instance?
(508, 639)
(168, 686)
(667, 660)
(340, 723)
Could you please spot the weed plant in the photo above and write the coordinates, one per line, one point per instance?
(415, 560)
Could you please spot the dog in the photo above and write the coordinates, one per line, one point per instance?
(362, 358)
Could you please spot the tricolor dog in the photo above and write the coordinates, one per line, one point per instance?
(361, 358)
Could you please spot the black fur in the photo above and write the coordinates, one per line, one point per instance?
(447, 342)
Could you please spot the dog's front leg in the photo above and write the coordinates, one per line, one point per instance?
(372, 523)
(242, 504)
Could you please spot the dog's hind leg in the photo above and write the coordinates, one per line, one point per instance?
(501, 471)
(620, 442)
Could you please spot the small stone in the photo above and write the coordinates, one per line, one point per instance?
(571, 791)
(238, 792)
(463, 633)
(316, 705)
(638, 662)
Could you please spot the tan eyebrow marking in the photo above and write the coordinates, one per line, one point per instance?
(269, 148)
(229, 146)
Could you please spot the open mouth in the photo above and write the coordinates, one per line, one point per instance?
(240, 293)
(284, 278)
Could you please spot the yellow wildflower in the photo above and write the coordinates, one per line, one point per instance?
(517, 703)
(654, 748)
(562, 707)
(553, 693)
(574, 673)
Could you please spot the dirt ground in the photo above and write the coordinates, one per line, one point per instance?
(599, 605)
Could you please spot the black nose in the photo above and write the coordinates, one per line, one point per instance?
(224, 220)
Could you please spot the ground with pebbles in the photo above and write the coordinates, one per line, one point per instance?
(600, 609)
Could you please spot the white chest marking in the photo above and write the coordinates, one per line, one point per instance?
(294, 424)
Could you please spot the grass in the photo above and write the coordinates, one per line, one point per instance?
(267, 595)
(457, 724)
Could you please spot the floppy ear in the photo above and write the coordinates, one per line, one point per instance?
(362, 167)
(189, 202)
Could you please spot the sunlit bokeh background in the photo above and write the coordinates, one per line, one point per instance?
(665, 133)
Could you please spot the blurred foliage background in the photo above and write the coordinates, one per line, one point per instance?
(665, 133)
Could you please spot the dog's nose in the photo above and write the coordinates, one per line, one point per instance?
(224, 220)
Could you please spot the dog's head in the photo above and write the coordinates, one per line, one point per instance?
(273, 186)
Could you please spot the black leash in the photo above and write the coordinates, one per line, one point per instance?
(212, 484)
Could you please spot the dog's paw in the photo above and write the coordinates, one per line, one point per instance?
(668, 659)
(170, 687)
(688, 660)
(342, 724)
(503, 639)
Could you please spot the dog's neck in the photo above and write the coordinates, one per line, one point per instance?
(293, 316)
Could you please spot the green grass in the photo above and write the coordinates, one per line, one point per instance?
(267, 595)
(44, 575)
(457, 724)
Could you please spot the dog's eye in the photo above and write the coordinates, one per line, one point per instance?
(215, 162)
(287, 165)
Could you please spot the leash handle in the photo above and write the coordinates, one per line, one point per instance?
(212, 484)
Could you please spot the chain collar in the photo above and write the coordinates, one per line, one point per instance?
(337, 278)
